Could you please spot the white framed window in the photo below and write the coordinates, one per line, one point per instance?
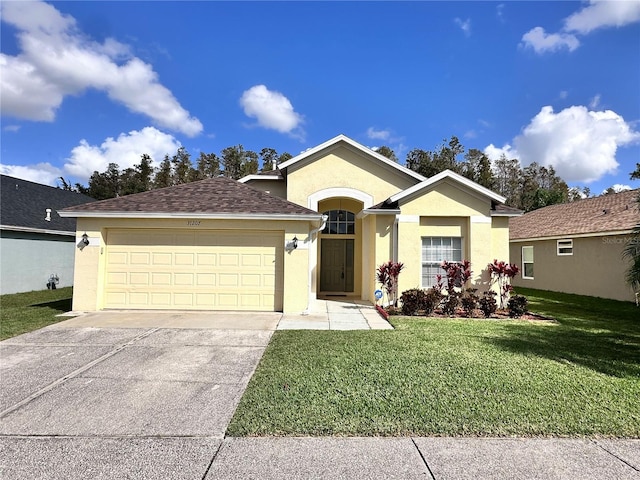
(565, 247)
(340, 222)
(527, 262)
(434, 251)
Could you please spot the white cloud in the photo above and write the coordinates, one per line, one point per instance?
(125, 150)
(494, 153)
(44, 173)
(465, 25)
(563, 94)
(601, 14)
(374, 134)
(580, 144)
(57, 60)
(597, 14)
(272, 110)
(617, 188)
(11, 128)
(500, 12)
(542, 41)
(595, 102)
(470, 134)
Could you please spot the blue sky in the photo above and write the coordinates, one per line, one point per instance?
(88, 83)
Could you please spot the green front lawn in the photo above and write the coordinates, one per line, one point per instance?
(24, 312)
(579, 376)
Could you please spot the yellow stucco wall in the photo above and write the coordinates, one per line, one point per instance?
(90, 263)
(450, 210)
(344, 167)
(596, 267)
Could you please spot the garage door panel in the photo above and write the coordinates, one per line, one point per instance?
(194, 270)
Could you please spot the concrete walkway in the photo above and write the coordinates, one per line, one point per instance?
(336, 314)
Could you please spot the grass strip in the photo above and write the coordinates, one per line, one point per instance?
(23, 312)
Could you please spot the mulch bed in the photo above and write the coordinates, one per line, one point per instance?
(498, 315)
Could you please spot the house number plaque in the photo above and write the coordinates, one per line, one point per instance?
(193, 223)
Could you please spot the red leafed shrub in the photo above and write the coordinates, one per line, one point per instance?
(387, 275)
(502, 273)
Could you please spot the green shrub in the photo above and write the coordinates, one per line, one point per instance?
(517, 306)
(488, 304)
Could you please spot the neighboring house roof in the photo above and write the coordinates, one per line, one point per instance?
(211, 198)
(499, 210)
(446, 174)
(616, 212)
(23, 206)
(341, 140)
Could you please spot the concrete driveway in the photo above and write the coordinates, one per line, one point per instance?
(106, 396)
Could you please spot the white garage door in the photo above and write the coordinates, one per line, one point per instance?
(194, 270)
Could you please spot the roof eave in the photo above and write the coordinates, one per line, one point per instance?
(378, 211)
(15, 228)
(572, 235)
(259, 177)
(199, 215)
(506, 214)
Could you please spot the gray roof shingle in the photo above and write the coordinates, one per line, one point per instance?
(606, 213)
(210, 196)
(23, 204)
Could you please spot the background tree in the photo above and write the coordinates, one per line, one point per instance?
(284, 156)
(232, 158)
(506, 174)
(269, 159)
(208, 166)
(163, 176)
(477, 167)
(631, 250)
(387, 152)
(182, 167)
(106, 184)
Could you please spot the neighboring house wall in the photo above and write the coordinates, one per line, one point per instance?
(91, 267)
(596, 267)
(29, 259)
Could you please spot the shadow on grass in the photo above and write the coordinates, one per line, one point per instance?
(606, 352)
(63, 305)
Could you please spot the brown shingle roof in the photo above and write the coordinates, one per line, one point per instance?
(210, 196)
(607, 213)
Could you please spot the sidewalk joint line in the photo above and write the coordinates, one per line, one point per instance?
(614, 455)
(75, 373)
(424, 460)
(213, 459)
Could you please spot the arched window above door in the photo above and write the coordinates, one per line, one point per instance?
(340, 222)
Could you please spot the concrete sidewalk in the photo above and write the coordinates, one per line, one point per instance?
(195, 458)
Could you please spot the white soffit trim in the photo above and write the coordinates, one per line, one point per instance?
(506, 214)
(36, 230)
(358, 146)
(259, 177)
(453, 176)
(569, 236)
(199, 215)
(377, 211)
(480, 219)
(409, 218)
(315, 198)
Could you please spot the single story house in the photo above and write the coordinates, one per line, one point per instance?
(318, 225)
(36, 244)
(576, 247)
